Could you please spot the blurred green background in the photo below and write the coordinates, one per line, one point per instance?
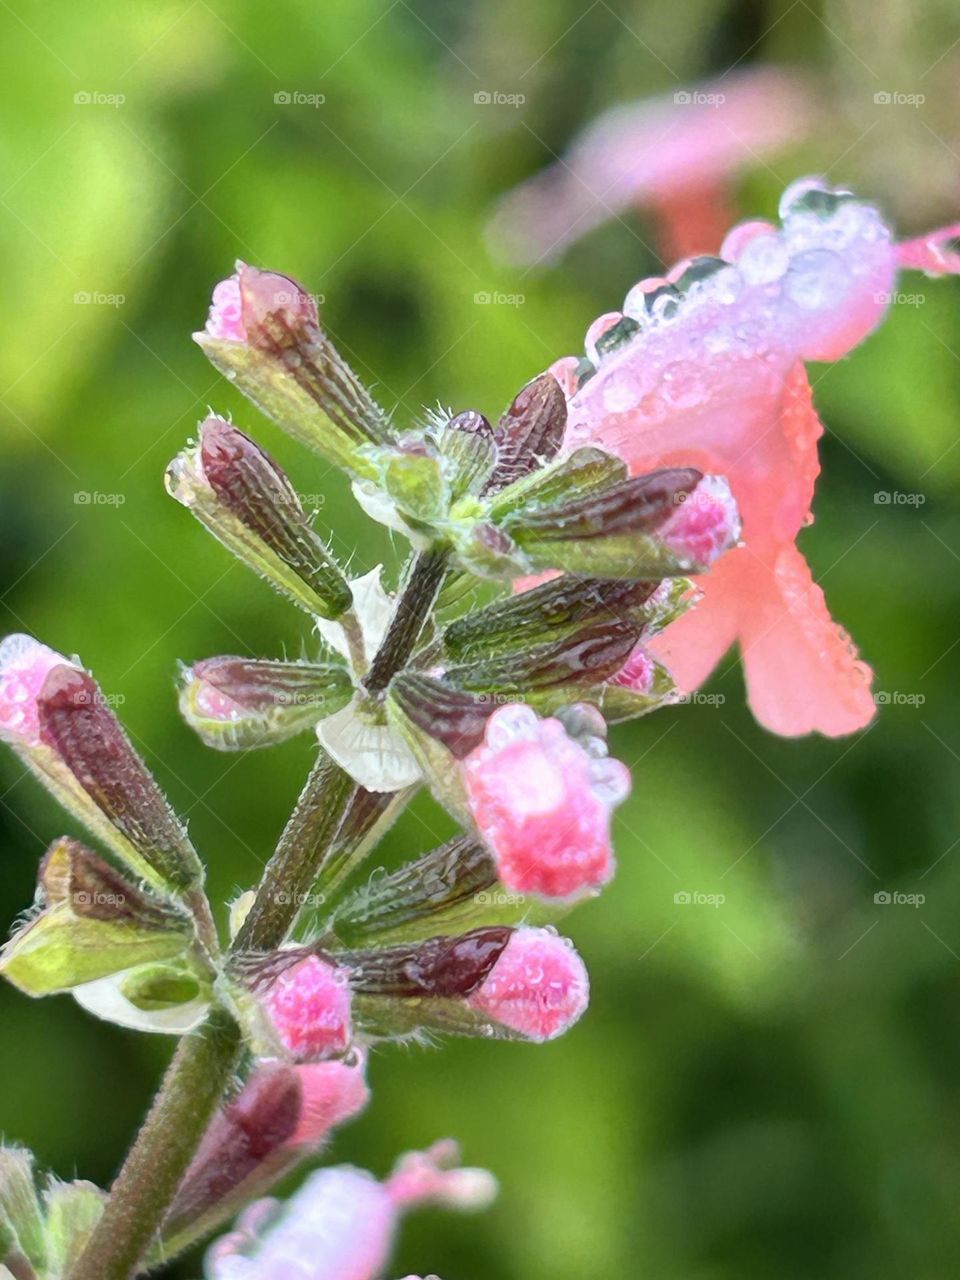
(765, 1087)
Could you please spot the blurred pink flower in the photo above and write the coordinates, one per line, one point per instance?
(677, 154)
(341, 1224)
(542, 804)
(705, 368)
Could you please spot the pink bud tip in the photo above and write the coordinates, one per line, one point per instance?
(705, 524)
(309, 1005)
(637, 672)
(226, 312)
(539, 986)
(435, 1176)
(24, 666)
(543, 804)
(331, 1092)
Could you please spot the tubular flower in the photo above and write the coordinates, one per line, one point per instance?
(342, 1222)
(677, 155)
(705, 368)
(309, 1006)
(543, 804)
(538, 986)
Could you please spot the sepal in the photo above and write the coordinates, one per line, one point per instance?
(235, 704)
(246, 501)
(264, 335)
(21, 1216)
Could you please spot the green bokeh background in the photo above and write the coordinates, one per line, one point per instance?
(764, 1088)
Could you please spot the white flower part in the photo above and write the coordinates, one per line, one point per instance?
(375, 755)
(104, 999)
(373, 608)
(379, 507)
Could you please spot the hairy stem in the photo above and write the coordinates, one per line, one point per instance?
(164, 1148)
(311, 830)
(413, 607)
(201, 1068)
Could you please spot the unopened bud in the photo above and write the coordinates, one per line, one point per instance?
(264, 335)
(543, 804)
(530, 432)
(236, 703)
(308, 1005)
(538, 987)
(246, 501)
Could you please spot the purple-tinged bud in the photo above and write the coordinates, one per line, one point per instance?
(263, 333)
(246, 501)
(651, 526)
(235, 703)
(543, 804)
(342, 1222)
(530, 432)
(538, 987)
(83, 734)
(282, 1115)
(308, 1005)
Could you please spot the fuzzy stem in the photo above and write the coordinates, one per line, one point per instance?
(164, 1148)
(201, 1068)
(416, 600)
(310, 832)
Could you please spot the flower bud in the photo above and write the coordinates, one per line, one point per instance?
(92, 923)
(246, 501)
(530, 432)
(342, 1222)
(264, 335)
(450, 889)
(497, 982)
(282, 1115)
(235, 703)
(543, 804)
(652, 526)
(538, 986)
(308, 1005)
(54, 715)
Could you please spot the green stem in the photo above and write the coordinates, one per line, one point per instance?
(417, 598)
(291, 871)
(164, 1148)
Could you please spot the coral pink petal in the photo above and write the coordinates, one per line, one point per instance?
(692, 646)
(801, 668)
(937, 253)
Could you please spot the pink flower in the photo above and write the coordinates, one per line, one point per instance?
(309, 1007)
(538, 987)
(330, 1093)
(342, 1222)
(705, 369)
(245, 301)
(542, 804)
(24, 666)
(638, 672)
(677, 154)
